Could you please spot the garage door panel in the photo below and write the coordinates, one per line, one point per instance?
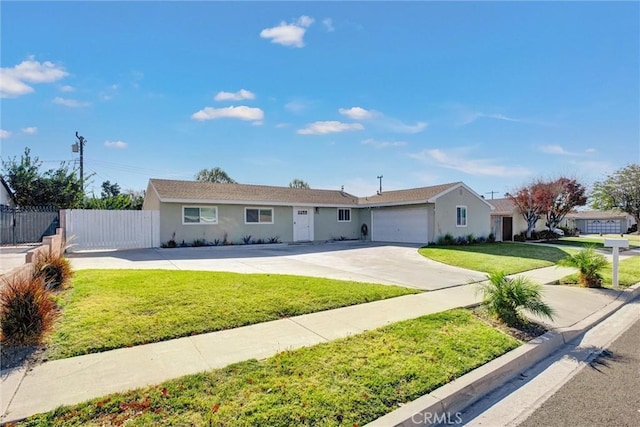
(400, 225)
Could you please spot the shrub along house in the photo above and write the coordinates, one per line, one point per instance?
(191, 210)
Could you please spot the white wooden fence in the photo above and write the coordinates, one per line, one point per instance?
(111, 229)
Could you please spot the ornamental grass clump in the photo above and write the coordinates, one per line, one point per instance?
(53, 270)
(589, 263)
(506, 298)
(27, 311)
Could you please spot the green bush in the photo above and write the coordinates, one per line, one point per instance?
(506, 298)
(53, 270)
(27, 311)
(589, 263)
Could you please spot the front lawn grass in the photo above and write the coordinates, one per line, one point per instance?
(108, 309)
(351, 381)
(491, 257)
(596, 241)
(628, 274)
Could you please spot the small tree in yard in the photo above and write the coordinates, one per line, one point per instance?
(620, 190)
(561, 197)
(506, 298)
(589, 263)
(552, 199)
(529, 200)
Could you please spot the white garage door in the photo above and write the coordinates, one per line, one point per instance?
(400, 225)
(604, 226)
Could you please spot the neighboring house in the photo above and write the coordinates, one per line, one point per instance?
(7, 199)
(507, 221)
(191, 210)
(596, 222)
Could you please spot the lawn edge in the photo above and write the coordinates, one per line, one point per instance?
(444, 402)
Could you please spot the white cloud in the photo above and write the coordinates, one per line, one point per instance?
(559, 150)
(67, 88)
(4, 134)
(383, 144)
(395, 125)
(242, 112)
(357, 113)
(387, 123)
(13, 81)
(71, 103)
(234, 96)
(297, 106)
(554, 149)
(31, 130)
(282, 125)
(455, 159)
(321, 128)
(115, 144)
(288, 34)
(328, 24)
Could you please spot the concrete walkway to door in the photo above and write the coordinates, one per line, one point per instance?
(390, 264)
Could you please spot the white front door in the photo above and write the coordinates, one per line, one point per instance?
(302, 224)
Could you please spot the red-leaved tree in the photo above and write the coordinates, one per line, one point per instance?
(552, 199)
(562, 196)
(530, 201)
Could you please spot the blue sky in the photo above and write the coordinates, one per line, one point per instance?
(490, 93)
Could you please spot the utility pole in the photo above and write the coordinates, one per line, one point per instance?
(492, 193)
(380, 178)
(79, 146)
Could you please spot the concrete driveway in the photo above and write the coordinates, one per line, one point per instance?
(357, 261)
(13, 256)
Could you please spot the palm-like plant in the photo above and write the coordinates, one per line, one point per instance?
(589, 263)
(506, 298)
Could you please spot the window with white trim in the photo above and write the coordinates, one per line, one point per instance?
(461, 216)
(258, 215)
(207, 215)
(344, 214)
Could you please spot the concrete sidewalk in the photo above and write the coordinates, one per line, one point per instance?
(73, 380)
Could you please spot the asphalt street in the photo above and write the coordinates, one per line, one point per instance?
(604, 393)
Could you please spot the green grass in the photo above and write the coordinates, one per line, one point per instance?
(347, 382)
(595, 241)
(108, 309)
(628, 273)
(492, 257)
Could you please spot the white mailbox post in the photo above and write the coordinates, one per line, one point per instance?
(615, 245)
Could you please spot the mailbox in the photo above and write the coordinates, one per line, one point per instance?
(616, 243)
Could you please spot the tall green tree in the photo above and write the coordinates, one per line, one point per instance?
(59, 187)
(214, 175)
(620, 190)
(298, 183)
(109, 189)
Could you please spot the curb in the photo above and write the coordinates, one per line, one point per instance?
(442, 404)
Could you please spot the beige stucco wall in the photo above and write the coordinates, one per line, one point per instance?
(151, 200)
(478, 215)
(230, 221)
(327, 227)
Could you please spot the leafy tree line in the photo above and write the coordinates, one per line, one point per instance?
(219, 176)
(60, 187)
